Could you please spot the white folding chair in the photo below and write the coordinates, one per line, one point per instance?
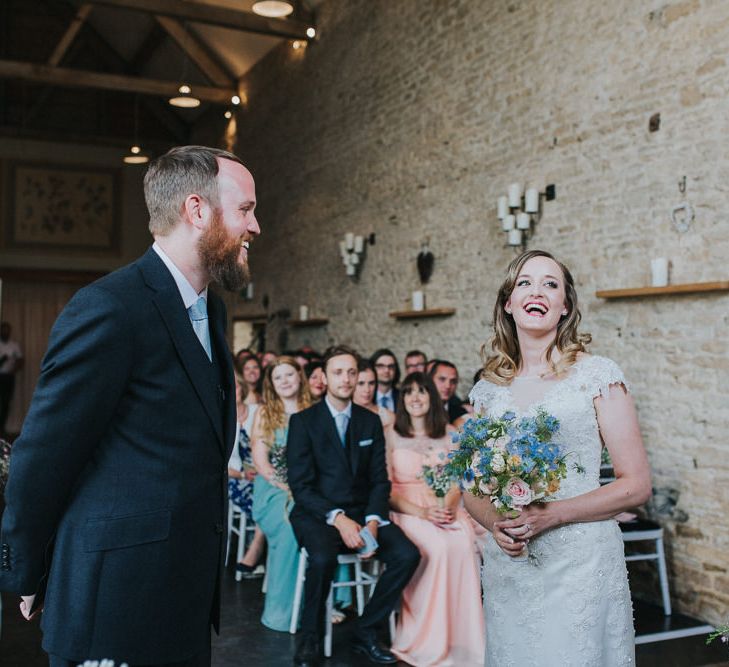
(238, 524)
(362, 578)
(642, 530)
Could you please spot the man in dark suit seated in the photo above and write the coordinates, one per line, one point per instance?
(338, 477)
(445, 377)
(117, 498)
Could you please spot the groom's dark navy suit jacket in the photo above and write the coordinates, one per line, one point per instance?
(117, 496)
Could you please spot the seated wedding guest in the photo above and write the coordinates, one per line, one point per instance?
(445, 377)
(338, 476)
(266, 358)
(317, 382)
(252, 372)
(364, 392)
(388, 375)
(415, 362)
(285, 392)
(440, 613)
(241, 474)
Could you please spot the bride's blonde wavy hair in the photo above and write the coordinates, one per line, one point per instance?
(502, 357)
(273, 415)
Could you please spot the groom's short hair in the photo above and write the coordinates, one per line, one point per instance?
(339, 351)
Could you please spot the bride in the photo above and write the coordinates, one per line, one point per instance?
(568, 603)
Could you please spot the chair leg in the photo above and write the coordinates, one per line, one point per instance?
(393, 624)
(328, 623)
(242, 534)
(359, 587)
(298, 591)
(663, 577)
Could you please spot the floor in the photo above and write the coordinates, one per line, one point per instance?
(244, 641)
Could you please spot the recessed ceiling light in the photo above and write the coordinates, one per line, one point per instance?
(273, 9)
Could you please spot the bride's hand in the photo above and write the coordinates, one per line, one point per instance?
(508, 544)
(438, 515)
(533, 520)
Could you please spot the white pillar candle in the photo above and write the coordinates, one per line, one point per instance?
(502, 208)
(351, 270)
(515, 195)
(522, 221)
(343, 248)
(303, 313)
(354, 258)
(418, 300)
(659, 272)
(531, 200)
(508, 223)
(249, 291)
(349, 240)
(515, 237)
(358, 244)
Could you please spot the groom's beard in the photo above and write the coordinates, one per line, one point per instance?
(219, 254)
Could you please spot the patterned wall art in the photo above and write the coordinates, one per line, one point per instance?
(61, 207)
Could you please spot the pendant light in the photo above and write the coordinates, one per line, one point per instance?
(136, 156)
(185, 99)
(273, 9)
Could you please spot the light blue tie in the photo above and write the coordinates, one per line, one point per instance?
(198, 312)
(385, 402)
(342, 422)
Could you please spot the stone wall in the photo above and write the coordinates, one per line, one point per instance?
(407, 119)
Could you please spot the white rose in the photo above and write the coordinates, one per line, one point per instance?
(498, 464)
(500, 443)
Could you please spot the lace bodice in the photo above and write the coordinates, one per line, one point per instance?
(570, 400)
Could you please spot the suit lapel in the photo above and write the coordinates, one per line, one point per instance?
(169, 303)
(330, 432)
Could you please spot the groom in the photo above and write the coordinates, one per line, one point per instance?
(117, 497)
(338, 477)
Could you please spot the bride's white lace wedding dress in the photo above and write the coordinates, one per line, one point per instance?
(569, 604)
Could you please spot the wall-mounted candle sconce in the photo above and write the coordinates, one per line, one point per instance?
(520, 210)
(352, 251)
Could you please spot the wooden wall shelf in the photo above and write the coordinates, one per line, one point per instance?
(311, 322)
(688, 288)
(255, 318)
(418, 314)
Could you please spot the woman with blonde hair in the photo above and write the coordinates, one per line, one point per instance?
(569, 603)
(285, 392)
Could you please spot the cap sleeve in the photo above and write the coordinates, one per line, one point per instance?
(482, 394)
(599, 373)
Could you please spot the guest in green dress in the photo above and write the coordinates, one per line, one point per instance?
(285, 392)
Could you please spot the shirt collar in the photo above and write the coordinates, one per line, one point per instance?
(187, 291)
(334, 412)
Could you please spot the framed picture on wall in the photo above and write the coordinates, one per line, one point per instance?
(62, 207)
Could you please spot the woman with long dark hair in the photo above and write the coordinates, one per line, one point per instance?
(440, 615)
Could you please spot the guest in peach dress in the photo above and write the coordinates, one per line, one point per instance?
(440, 620)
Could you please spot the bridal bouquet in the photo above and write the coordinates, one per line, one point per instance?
(512, 461)
(439, 478)
(277, 457)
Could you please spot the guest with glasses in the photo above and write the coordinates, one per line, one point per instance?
(388, 375)
(415, 362)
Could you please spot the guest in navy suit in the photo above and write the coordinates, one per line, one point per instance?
(338, 477)
(117, 498)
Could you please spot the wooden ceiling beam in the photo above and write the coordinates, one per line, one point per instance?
(65, 43)
(199, 12)
(73, 78)
(195, 51)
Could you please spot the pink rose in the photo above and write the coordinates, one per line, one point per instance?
(519, 491)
